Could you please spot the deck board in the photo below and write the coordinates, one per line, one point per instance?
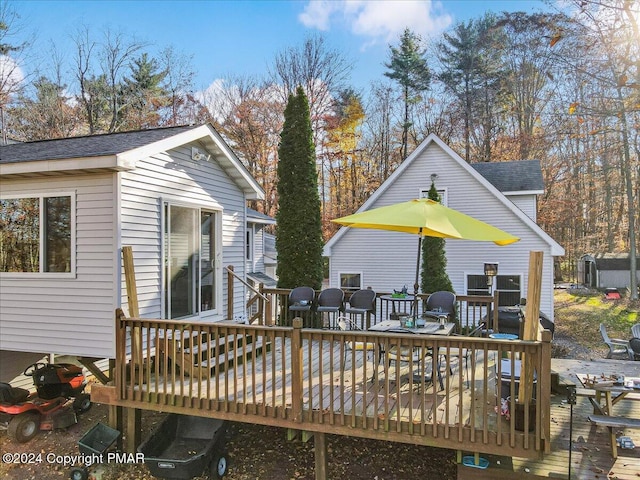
(591, 453)
(359, 389)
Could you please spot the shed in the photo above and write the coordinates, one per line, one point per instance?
(177, 195)
(606, 270)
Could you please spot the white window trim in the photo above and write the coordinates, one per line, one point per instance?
(347, 272)
(424, 193)
(250, 253)
(213, 207)
(72, 261)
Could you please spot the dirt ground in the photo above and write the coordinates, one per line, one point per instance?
(253, 452)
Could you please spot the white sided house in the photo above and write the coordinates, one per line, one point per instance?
(177, 196)
(501, 194)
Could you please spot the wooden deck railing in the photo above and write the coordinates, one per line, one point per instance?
(471, 310)
(310, 379)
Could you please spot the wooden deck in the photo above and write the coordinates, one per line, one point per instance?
(348, 385)
(309, 380)
(591, 453)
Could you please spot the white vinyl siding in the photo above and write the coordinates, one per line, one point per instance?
(526, 203)
(73, 315)
(388, 259)
(174, 177)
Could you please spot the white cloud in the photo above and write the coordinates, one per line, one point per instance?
(317, 13)
(379, 21)
(11, 76)
(213, 98)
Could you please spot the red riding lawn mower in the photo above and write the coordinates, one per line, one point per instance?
(59, 396)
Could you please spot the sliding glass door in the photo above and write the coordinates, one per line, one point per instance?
(190, 261)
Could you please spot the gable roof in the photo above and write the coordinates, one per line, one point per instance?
(556, 249)
(120, 152)
(87, 146)
(519, 177)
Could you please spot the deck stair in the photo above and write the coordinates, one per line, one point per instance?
(198, 354)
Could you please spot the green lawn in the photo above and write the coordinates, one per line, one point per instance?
(579, 316)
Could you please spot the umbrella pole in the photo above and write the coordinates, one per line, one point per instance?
(415, 285)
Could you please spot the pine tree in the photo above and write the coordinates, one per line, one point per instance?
(434, 260)
(299, 233)
(408, 66)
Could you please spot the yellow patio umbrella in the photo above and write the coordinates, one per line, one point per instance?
(427, 218)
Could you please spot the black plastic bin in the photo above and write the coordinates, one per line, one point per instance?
(184, 446)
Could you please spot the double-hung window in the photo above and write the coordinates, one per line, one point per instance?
(193, 274)
(37, 234)
(507, 286)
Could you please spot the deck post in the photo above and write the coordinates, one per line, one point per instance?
(545, 390)
(268, 308)
(296, 370)
(121, 353)
(132, 301)
(531, 322)
(133, 430)
(320, 450)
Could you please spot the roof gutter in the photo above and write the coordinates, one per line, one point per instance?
(108, 162)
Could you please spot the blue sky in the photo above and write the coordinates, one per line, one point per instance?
(242, 37)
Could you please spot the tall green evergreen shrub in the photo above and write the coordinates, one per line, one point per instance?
(434, 260)
(299, 230)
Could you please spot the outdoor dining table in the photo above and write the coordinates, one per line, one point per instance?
(399, 305)
(612, 391)
(430, 328)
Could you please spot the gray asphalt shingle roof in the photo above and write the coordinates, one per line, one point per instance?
(518, 176)
(89, 146)
(259, 216)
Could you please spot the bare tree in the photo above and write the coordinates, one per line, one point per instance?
(99, 70)
(319, 70)
(47, 110)
(607, 35)
(117, 54)
(178, 83)
(11, 53)
(245, 111)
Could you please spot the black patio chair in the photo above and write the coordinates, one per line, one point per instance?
(330, 301)
(301, 301)
(416, 357)
(362, 303)
(455, 352)
(442, 302)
